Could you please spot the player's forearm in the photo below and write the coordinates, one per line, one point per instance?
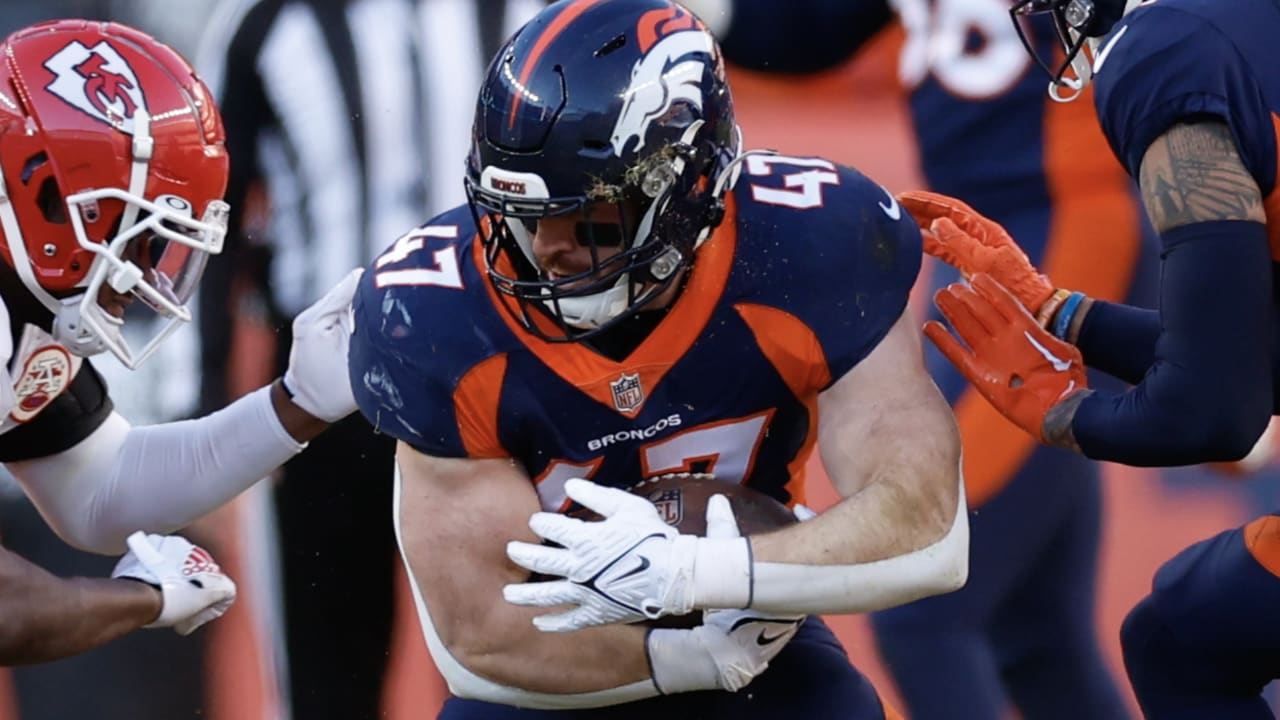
(301, 425)
(510, 651)
(1208, 396)
(1117, 339)
(43, 617)
(516, 665)
(885, 546)
(901, 532)
(159, 477)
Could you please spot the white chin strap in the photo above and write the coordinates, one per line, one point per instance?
(1072, 86)
(591, 311)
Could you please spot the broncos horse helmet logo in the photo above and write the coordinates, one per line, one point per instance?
(665, 75)
(97, 81)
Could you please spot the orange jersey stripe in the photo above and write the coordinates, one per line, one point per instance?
(591, 372)
(475, 402)
(794, 351)
(1262, 538)
(1095, 237)
(557, 26)
(791, 347)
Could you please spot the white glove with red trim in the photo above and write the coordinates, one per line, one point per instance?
(194, 588)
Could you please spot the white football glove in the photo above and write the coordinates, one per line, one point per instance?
(194, 588)
(729, 649)
(317, 379)
(630, 566)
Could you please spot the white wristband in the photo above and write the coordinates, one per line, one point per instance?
(680, 662)
(722, 573)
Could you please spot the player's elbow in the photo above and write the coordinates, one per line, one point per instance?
(952, 562)
(488, 666)
(466, 668)
(474, 679)
(468, 686)
(1227, 435)
(90, 531)
(1243, 428)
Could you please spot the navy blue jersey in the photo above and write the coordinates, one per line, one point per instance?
(1184, 60)
(810, 268)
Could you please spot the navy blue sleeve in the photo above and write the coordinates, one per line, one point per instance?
(860, 256)
(1208, 394)
(397, 392)
(801, 36)
(1162, 66)
(1119, 340)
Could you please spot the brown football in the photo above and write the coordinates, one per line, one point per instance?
(681, 499)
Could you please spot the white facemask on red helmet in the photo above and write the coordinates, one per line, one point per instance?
(112, 172)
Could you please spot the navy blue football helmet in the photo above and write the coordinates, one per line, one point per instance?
(1077, 24)
(600, 101)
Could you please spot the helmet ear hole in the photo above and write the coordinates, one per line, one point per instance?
(49, 200)
(32, 164)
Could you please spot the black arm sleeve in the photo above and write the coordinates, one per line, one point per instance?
(1208, 395)
(64, 422)
(801, 36)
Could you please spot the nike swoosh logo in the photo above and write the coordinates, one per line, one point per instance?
(893, 209)
(1101, 57)
(763, 639)
(1058, 363)
(641, 567)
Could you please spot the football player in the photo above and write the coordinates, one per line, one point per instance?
(1187, 95)
(1011, 636)
(640, 297)
(112, 169)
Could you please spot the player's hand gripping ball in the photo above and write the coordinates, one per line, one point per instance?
(681, 499)
(681, 502)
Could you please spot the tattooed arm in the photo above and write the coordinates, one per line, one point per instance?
(1208, 393)
(1193, 173)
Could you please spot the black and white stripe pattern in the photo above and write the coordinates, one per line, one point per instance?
(372, 103)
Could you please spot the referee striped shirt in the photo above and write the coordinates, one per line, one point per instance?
(354, 116)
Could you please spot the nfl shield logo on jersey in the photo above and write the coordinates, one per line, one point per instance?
(627, 392)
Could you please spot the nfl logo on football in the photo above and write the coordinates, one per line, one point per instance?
(670, 509)
(627, 393)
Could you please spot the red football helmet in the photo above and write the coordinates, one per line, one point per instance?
(112, 171)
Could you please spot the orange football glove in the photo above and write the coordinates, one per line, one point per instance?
(1018, 366)
(971, 243)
